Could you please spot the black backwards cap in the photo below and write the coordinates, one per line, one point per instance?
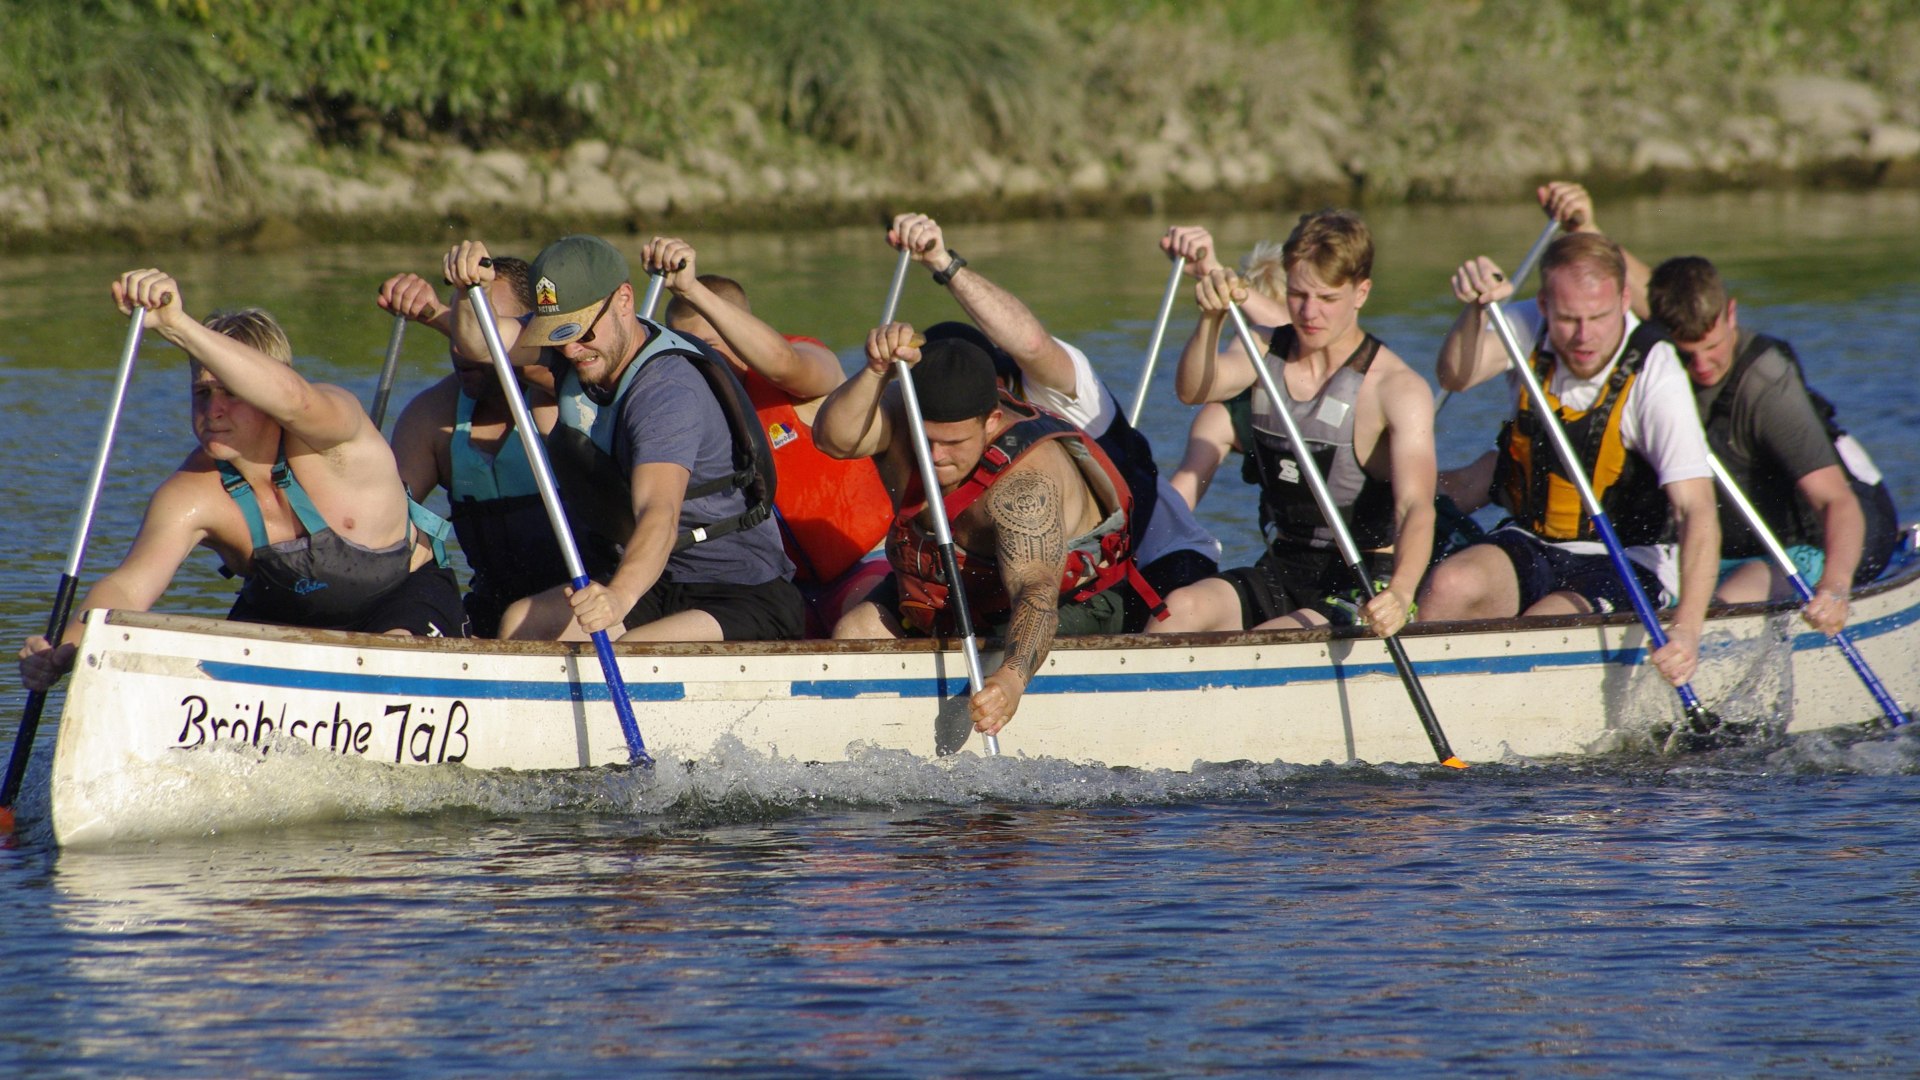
(1003, 364)
(954, 381)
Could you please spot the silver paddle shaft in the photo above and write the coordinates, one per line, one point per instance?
(529, 434)
(930, 484)
(77, 549)
(1159, 336)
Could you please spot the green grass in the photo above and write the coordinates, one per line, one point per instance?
(156, 98)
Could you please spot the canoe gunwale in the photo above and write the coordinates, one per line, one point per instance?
(825, 647)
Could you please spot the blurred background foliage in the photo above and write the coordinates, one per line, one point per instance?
(176, 95)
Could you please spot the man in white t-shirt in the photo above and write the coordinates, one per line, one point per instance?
(1628, 410)
(1170, 546)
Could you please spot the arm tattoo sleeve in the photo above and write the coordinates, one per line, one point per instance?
(1031, 538)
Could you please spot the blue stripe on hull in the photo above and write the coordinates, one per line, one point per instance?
(845, 689)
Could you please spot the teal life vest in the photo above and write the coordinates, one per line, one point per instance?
(321, 580)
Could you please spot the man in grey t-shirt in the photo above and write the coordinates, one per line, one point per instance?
(697, 555)
(1815, 488)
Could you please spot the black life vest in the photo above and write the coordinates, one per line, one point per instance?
(1772, 493)
(1288, 512)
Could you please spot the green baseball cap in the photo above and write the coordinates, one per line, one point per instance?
(572, 279)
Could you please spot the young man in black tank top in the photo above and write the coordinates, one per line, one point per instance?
(1384, 473)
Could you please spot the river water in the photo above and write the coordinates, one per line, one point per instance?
(1752, 911)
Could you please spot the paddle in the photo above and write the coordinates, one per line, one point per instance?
(930, 483)
(656, 281)
(385, 389)
(1888, 707)
(1349, 551)
(1159, 335)
(63, 595)
(1527, 262)
(1698, 718)
(556, 516)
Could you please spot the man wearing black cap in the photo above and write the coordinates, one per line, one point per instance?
(1171, 546)
(1038, 513)
(667, 478)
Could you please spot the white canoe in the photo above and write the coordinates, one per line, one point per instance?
(151, 686)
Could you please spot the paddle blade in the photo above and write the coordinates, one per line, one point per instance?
(1454, 763)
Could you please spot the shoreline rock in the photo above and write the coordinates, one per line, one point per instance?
(1822, 132)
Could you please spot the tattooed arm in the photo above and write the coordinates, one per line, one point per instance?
(1028, 512)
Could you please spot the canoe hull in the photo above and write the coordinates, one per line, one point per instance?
(148, 687)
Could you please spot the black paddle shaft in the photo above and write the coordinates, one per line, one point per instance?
(37, 700)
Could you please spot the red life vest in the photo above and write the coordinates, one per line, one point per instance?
(831, 512)
(1095, 562)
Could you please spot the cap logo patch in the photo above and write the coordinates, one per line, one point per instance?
(564, 332)
(545, 296)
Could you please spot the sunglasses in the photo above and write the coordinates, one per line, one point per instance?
(586, 338)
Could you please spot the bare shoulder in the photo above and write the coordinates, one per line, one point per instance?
(193, 496)
(1396, 385)
(431, 409)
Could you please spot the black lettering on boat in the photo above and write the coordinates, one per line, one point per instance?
(456, 725)
(196, 707)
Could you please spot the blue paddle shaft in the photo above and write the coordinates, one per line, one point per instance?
(1576, 471)
(556, 514)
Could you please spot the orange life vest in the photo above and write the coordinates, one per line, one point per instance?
(1095, 562)
(831, 512)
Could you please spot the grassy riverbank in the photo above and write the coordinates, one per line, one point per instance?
(198, 119)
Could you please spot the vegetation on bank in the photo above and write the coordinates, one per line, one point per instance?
(140, 101)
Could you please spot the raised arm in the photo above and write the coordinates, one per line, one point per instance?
(321, 416)
(414, 297)
(853, 421)
(464, 268)
(1569, 204)
(802, 369)
(999, 314)
(1027, 510)
(1210, 439)
(1472, 353)
(1206, 372)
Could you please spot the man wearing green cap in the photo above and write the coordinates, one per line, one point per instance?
(665, 476)
(1038, 512)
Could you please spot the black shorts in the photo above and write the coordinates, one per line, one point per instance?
(1543, 568)
(1171, 571)
(427, 604)
(770, 611)
(1289, 579)
(1102, 613)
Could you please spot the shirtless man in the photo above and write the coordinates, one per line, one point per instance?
(291, 486)
(458, 435)
(1370, 418)
(831, 513)
(1649, 464)
(1023, 521)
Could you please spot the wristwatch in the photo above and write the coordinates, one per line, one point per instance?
(941, 277)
